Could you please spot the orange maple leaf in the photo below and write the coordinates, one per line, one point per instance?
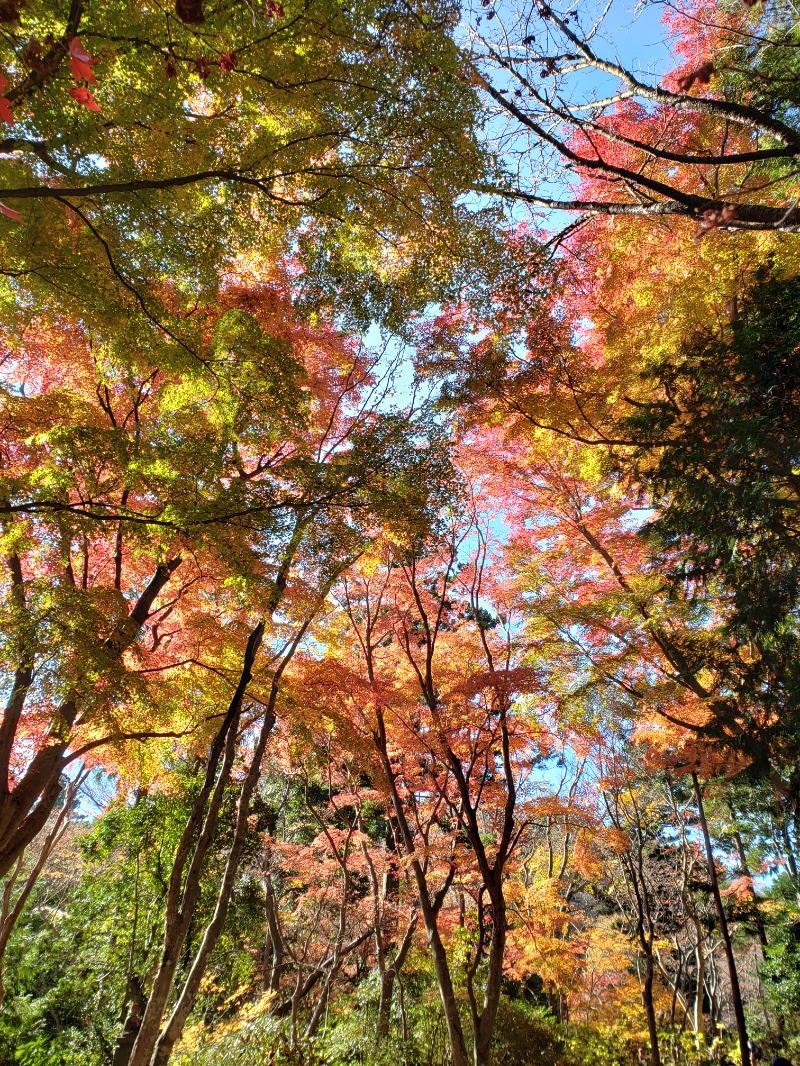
(83, 96)
(81, 62)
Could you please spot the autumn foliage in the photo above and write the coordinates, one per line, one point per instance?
(399, 584)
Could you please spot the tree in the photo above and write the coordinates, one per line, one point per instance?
(714, 141)
(317, 863)
(340, 134)
(116, 480)
(592, 374)
(738, 1005)
(649, 886)
(433, 680)
(717, 453)
(447, 720)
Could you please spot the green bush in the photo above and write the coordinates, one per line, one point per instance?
(258, 1041)
(527, 1035)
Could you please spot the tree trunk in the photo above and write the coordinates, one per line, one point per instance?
(699, 1018)
(186, 880)
(736, 993)
(444, 980)
(24, 810)
(649, 1008)
(273, 982)
(392, 974)
(385, 1004)
(186, 1000)
(484, 1031)
(429, 911)
(791, 861)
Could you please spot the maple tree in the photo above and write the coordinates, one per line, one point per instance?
(142, 148)
(116, 482)
(438, 681)
(704, 142)
(630, 812)
(607, 627)
(332, 917)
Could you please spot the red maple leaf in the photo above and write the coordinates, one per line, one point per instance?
(202, 67)
(81, 62)
(6, 115)
(228, 62)
(83, 96)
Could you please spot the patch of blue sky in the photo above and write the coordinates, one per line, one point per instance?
(632, 36)
(90, 163)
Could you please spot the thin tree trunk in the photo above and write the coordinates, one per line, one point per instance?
(303, 987)
(791, 861)
(700, 956)
(632, 861)
(428, 910)
(272, 984)
(391, 975)
(186, 1000)
(160, 1044)
(385, 1005)
(387, 971)
(484, 1030)
(736, 993)
(650, 1009)
(185, 880)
